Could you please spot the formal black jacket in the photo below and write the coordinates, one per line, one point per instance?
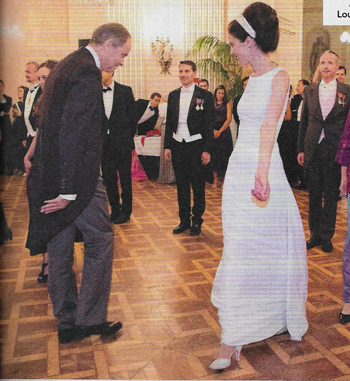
(311, 122)
(149, 124)
(32, 115)
(198, 121)
(5, 119)
(68, 150)
(122, 121)
(294, 106)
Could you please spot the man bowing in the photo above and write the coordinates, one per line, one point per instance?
(65, 187)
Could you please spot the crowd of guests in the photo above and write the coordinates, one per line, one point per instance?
(72, 127)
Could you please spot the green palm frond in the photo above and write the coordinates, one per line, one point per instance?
(218, 62)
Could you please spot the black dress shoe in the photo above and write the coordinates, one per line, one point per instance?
(327, 246)
(104, 330)
(183, 226)
(195, 229)
(121, 219)
(343, 319)
(113, 217)
(301, 186)
(313, 242)
(66, 335)
(42, 277)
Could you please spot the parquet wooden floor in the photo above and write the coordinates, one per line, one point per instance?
(161, 292)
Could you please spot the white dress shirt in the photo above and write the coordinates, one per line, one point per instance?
(183, 132)
(94, 54)
(327, 93)
(299, 110)
(28, 108)
(108, 100)
(147, 114)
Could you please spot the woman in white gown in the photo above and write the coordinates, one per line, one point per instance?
(260, 287)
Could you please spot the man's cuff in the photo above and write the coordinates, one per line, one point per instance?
(70, 197)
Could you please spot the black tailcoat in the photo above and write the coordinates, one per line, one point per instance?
(69, 146)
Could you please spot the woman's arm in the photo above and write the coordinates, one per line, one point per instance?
(344, 181)
(280, 86)
(30, 153)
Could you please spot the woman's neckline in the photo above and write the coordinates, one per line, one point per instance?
(261, 75)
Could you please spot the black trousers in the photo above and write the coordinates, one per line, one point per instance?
(112, 165)
(323, 178)
(189, 172)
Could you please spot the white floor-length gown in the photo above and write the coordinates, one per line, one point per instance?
(260, 287)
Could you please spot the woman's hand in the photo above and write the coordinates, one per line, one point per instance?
(262, 188)
(217, 133)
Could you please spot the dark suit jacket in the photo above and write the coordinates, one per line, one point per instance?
(5, 122)
(122, 121)
(32, 115)
(311, 122)
(68, 150)
(149, 124)
(294, 106)
(198, 121)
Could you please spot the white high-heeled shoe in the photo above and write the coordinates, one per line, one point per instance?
(222, 363)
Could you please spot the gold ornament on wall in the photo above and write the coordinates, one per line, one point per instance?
(162, 49)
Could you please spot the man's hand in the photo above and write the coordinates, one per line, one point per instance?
(205, 158)
(301, 158)
(16, 112)
(167, 154)
(27, 164)
(54, 205)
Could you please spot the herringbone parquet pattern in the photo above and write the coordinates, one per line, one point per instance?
(161, 292)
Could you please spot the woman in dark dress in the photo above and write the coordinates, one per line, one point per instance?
(18, 148)
(223, 145)
(43, 72)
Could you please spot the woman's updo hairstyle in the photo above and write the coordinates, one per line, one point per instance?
(263, 19)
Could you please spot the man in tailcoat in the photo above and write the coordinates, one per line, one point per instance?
(65, 189)
(118, 143)
(325, 107)
(188, 143)
(147, 113)
(28, 117)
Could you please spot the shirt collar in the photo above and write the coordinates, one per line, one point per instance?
(110, 86)
(34, 87)
(332, 83)
(94, 54)
(188, 89)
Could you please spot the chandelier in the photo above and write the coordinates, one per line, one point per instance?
(163, 51)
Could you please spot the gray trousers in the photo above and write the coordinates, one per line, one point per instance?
(90, 306)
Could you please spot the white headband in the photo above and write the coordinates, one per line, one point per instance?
(246, 26)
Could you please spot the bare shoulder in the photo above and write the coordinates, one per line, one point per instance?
(281, 79)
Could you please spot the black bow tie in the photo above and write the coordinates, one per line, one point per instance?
(151, 108)
(108, 89)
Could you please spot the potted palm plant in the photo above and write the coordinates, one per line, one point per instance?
(213, 59)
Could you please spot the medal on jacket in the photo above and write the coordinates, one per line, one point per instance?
(199, 104)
